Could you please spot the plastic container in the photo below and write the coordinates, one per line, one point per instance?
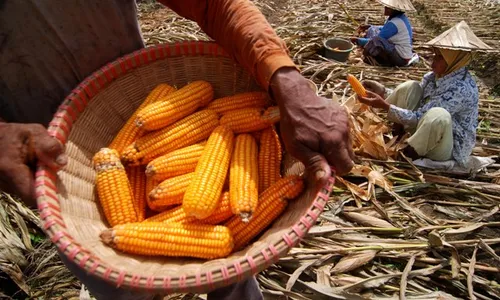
(337, 49)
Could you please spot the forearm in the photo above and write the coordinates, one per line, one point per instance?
(402, 116)
(243, 32)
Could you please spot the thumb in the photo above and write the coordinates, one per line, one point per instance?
(317, 168)
(50, 152)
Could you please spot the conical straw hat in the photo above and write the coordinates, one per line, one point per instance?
(459, 37)
(401, 5)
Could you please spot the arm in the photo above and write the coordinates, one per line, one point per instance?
(240, 28)
(389, 30)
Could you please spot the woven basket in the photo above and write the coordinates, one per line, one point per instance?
(91, 116)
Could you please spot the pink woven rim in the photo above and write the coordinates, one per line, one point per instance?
(50, 210)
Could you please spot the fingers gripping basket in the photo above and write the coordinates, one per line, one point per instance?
(91, 116)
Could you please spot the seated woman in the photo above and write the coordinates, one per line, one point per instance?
(441, 112)
(391, 44)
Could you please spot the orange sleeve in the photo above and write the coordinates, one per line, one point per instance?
(241, 29)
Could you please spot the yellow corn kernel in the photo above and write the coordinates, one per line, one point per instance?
(175, 163)
(137, 179)
(113, 188)
(169, 192)
(243, 177)
(203, 193)
(129, 132)
(250, 119)
(170, 239)
(178, 215)
(175, 106)
(356, 85)
(238, 101)
(269, 158)
(271, 204)
(192, 129)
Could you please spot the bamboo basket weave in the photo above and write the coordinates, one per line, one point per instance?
(91, 116)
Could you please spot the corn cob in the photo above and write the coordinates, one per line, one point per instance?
(137, 180)
(193, 128)
(178, 215)
(130, 131)
(238, 101)
(271, 204)
(169, 192)
(170, 239)
(175, 163)
(243, 177)
(356, 85)
(257, 135)
(250, 119)
(113, 188)
(175, 106)
(203, 193)
(269, 159)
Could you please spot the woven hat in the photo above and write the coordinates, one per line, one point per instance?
(401, 5)
(459, 37)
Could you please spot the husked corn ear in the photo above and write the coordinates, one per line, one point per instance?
(203, 193)
(175, 106)
(250, 119)
(169, 192)
(269, 158)
(170, 239)
(243, 177)
(238, 101)
(271, 204)
(356, 85)
(177, 162)
(130, 131)
(192, 129)
(137, 179)
(178, 215)
(113, 188)
(222, 212)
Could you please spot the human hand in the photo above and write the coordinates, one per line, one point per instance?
(354, 40)
(24, 145)
(314, 129)
(363, 27)
(374, 100)
(374, 86)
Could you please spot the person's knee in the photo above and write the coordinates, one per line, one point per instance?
(412, 86)
(439, 116)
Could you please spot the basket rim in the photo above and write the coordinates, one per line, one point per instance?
(50, 210)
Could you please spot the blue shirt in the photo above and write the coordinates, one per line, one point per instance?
(397, 30)
(457, 93)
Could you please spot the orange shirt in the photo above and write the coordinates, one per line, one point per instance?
(241, 29)
(48, 47)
